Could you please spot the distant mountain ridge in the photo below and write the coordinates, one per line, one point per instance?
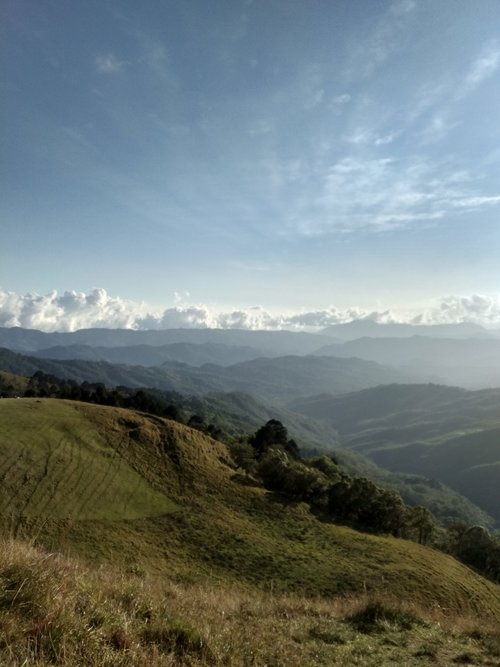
(278, 379)
(469, 362)
(275, 342)
(194, 354)
(370, 328)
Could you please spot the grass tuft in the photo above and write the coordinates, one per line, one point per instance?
(176, 637)
(377, 616)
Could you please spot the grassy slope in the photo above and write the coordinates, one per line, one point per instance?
(222, 530)
(57, 610)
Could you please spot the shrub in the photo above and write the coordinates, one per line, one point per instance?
(376, 616)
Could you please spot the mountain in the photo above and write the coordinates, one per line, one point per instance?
(445, 433)
(446, 504)
(237, 413)
(194, 354)
(471, 363)
(267, 342)
(369, 328)
(112, 484)
(277, 379)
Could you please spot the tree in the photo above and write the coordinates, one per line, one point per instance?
(420, 520)
(244, 456)
(271, 434)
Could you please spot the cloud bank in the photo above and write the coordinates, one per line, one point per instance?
(78, 310)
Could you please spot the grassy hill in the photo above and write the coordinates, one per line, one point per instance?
(155, 496)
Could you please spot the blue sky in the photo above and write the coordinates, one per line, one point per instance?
(292, 154)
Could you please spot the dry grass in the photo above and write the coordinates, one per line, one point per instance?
(55, 610)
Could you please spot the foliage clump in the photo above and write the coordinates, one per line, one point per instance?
(377, 616)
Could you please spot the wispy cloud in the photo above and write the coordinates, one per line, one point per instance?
(484, 66)
(340, 100)
(108, 63)
(441, 101)
(439, 126)
(364, 135)
(402, 7)
(383, 194)
(315, 99)
(385, 37)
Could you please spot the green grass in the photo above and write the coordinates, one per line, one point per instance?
(55, 464)
(211, 527)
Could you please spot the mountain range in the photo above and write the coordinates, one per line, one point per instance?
(278, 379)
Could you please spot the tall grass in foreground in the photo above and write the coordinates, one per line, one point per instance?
(55, 610)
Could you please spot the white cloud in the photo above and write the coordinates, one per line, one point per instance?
(69, 311)
(96, 308)
(477, 308)
(186, 317)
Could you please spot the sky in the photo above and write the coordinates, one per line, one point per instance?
(245, 163)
